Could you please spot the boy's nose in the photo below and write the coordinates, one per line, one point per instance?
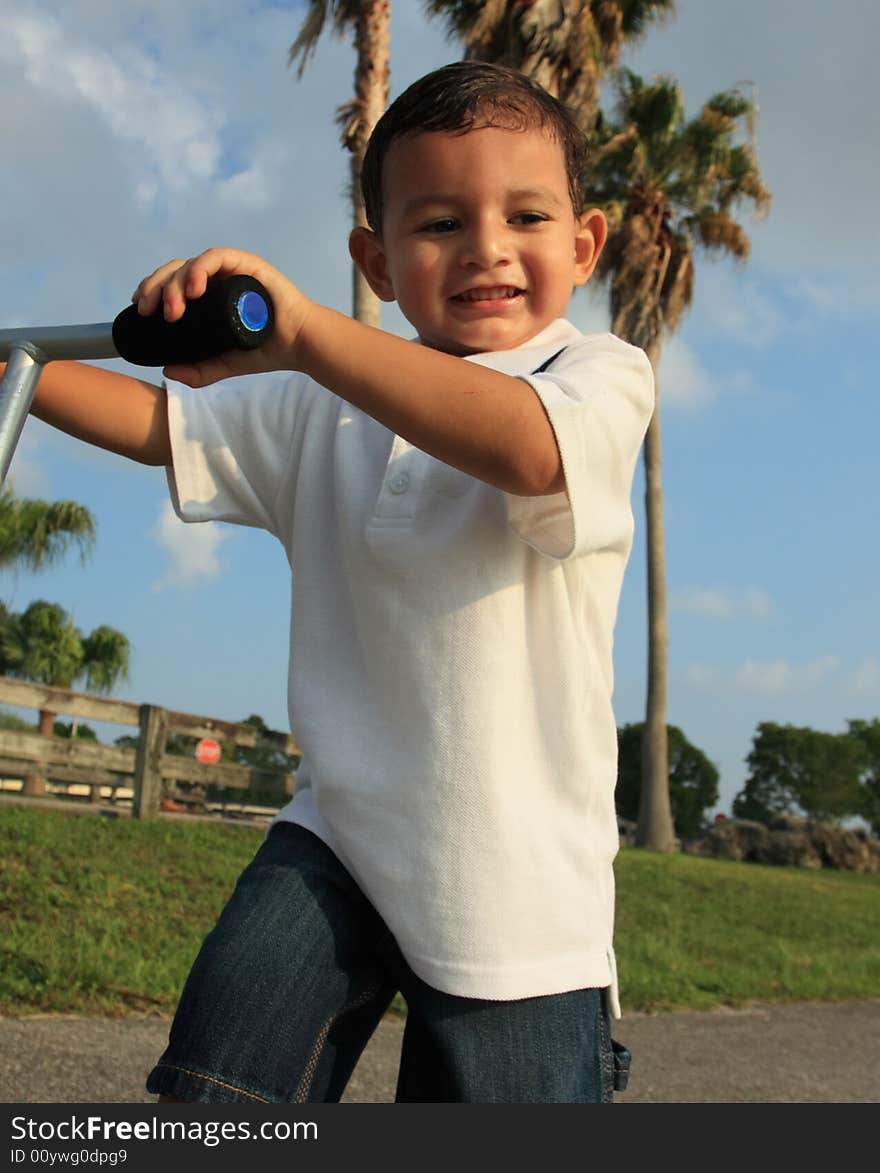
(485, 246)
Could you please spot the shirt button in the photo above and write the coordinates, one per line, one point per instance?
(399, 483)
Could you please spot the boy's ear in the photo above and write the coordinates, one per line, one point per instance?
(368, 253)
(590, 237)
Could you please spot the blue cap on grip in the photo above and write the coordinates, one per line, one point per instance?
(252, 311)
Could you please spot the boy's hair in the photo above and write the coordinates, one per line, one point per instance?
(459, 97)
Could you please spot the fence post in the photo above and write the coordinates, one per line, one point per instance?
(148, 762)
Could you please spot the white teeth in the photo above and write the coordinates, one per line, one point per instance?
(491, 293)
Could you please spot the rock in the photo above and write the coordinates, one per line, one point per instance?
(791, 842)
(626, 828)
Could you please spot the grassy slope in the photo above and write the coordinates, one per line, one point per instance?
(104, 916)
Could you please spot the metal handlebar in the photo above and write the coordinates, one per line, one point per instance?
(234, 313)
(27, 349)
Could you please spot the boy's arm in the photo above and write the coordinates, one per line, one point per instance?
(106, 408)
(490, 425)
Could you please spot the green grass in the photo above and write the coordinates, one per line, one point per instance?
(700, 933)
(104, 916)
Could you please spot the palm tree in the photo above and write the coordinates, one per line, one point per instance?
(34, 533)
(370, 20)
(668, 187)
(566, 46)
(43, 644)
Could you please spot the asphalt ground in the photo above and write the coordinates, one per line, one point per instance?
(803, 1052)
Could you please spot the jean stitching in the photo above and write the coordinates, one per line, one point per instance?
(210, 1079)
(308, 1077)
(606, 1056)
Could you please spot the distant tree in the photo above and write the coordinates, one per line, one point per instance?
(370, 22)
(798, 770)
(74, 729)
(867, 733)
(14, 723)
(266, 754)
(179, 744)
(34, 533)
(693, 779)
(669, 187)
(269, 756)
(566, 46)
(44, 645)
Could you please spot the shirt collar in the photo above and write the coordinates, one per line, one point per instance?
(524, 359)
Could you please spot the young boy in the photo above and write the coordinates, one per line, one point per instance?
(456, 511)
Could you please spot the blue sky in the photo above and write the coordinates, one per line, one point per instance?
(138, 132)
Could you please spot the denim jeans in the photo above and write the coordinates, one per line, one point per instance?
(295, 977)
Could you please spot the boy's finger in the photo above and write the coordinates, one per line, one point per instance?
(174, 297)
(149, 292)
(189, 282)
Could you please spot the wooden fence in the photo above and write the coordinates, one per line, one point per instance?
(147, 770)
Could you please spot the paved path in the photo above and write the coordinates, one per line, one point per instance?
(779, 1053)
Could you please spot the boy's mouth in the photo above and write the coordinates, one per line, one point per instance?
(490, 293)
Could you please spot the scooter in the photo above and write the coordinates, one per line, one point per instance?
(234, 313)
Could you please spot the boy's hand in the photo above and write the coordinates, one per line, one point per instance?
(168, 289)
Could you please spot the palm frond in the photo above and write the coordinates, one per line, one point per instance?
(344, 14)
(669, 186)
(717, 231)
(678, 291)
(309, 34)
(731, 104)
(106, 658)
(36, 533)
(42, 644)
(636, 15)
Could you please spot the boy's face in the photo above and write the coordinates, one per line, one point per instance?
(480, 245)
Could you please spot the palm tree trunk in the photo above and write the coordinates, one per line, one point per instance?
(373, 44)
(36, 784)
(655, 826)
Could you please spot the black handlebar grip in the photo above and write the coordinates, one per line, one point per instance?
(235, 313)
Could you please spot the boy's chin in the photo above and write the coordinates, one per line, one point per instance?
(450, 346)
(479, 342)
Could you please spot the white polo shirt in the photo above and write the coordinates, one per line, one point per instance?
(450, 655)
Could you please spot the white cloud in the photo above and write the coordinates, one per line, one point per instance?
(866, 678)
(757, 602)
(27, 476)
(782, 676)
(682, 381)
(255, 188)
(763, 677)
(170, 134)
(702, 601)
(702, 677)
(737, 306)
(741, 381)
(717, 603)
(192, 550)
(837, 298)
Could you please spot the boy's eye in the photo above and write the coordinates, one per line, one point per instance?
(447, 224)
(528, 218)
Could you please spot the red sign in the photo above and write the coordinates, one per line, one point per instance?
(208, 751)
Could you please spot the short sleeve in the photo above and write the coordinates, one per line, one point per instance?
(599, 397)
(231, 447)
